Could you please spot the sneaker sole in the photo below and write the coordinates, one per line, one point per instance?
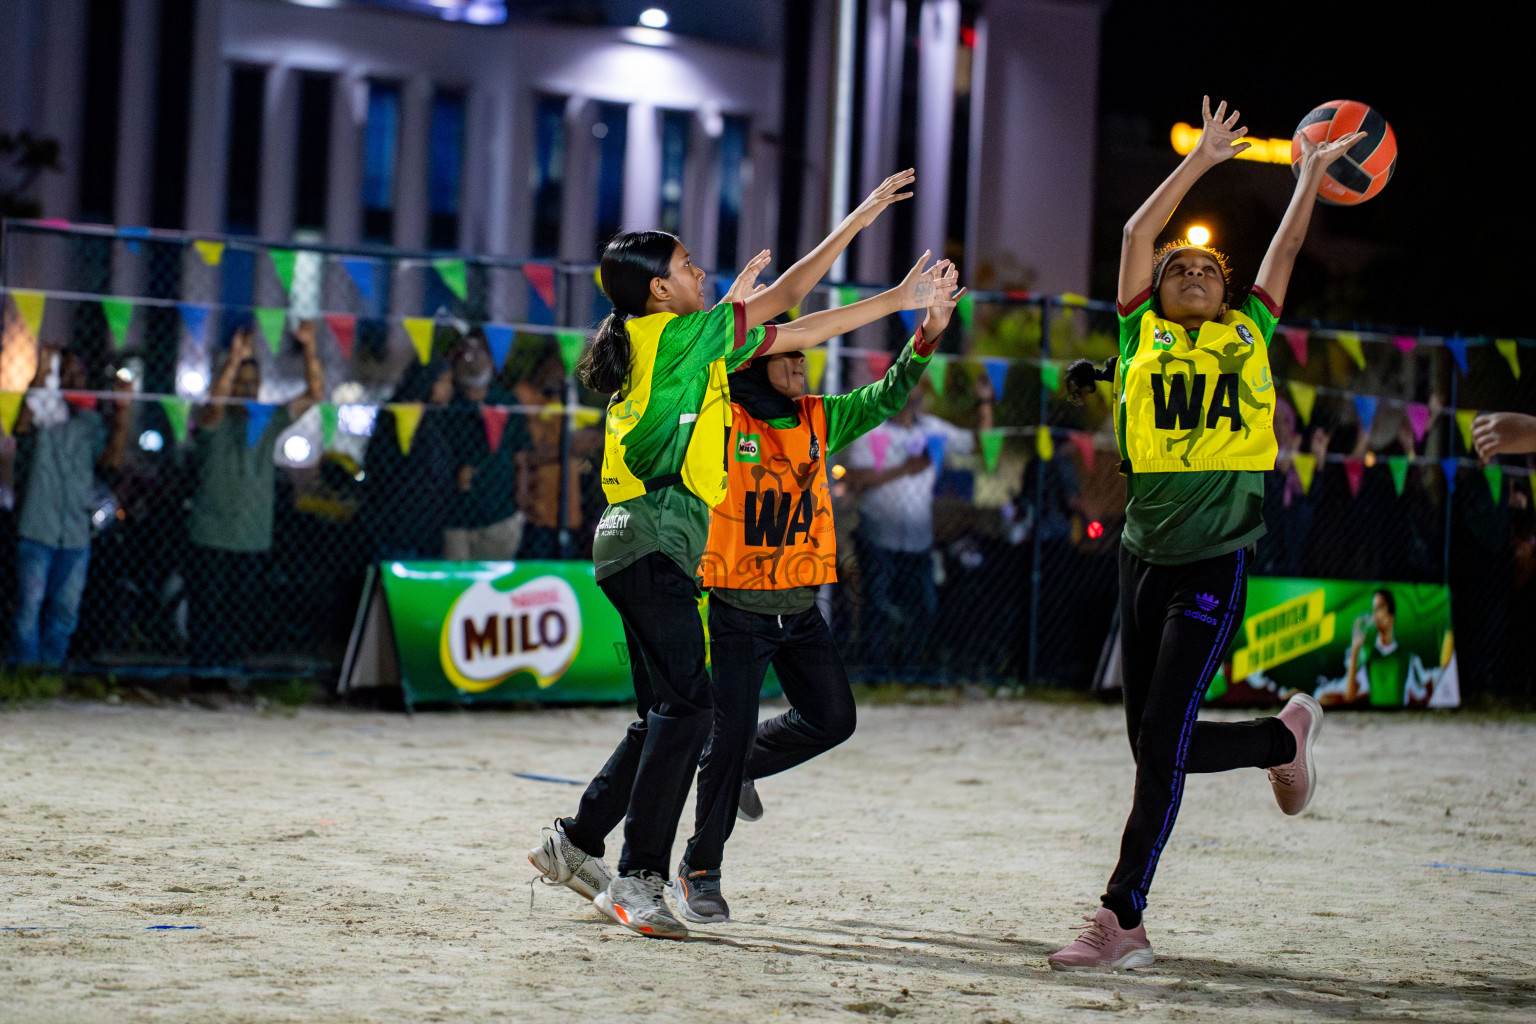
(1311, 704)
(1135, 960)
(681, 895)
(617, 914)
(574, 883)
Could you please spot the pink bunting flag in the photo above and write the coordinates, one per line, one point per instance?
(1404, 343)
(878, 363)
(1418, 418)
(495, 419)
(1296, 337)
(879, 444)
(1084, 443)
(344, 326)
(1354, 471)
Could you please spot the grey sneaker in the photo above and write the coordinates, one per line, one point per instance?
(750, 806)
(698, 894)
(562, 862)
(639, 902)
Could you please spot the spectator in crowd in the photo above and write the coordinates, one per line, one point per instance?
(483, 522)
(62, 446)
(230, 527)
(539, 467)
(894, 475)
(408, 495)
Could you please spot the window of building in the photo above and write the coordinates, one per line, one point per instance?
(312, 154)
(242, 181)
(548, 175)
(733, 161)
(381, 158)
(675, 126)
(610, 130)
(445, 168)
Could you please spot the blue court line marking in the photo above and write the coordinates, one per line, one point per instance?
(1490, 871)
(536, 777)
(174, 928)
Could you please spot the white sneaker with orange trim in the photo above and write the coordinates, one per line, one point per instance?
(639, 903)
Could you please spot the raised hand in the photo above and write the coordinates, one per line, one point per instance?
(1315, 159)
(1494, 433)
(888, 192)
(304, 334)
(1218, 138)
(946, 294)
(240, 348)
(918, 289)
(746, 281)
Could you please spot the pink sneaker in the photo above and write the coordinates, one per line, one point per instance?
(1294, 783)
(1103, 946)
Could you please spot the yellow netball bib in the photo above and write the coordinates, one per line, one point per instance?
(1195, 405)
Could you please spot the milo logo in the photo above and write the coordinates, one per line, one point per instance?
(1162, 340)
(1244, 333)
(747, 448)
(492, 632)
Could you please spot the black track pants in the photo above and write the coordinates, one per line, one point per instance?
(1176, 622)
(822, 713)
(650, 770)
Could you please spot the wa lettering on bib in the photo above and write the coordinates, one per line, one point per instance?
(774, 529)
(1196, 405)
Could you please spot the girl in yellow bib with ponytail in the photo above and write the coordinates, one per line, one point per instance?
(1194, 414)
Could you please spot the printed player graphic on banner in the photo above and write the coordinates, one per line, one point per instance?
(491, 633)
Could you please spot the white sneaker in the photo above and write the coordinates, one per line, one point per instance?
(562, 862)
(639, 902)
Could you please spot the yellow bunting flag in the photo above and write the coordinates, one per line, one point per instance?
(407, 419)
(1073, 299)
(1464, 418)
(1305, 465)
(1044, 446)
(30, 305)
(1510, 350)
(1305, 396)
(587, 417)
(420, 330)
(794, 312)
(10, 408)
(1349, 341)
(211, 252)
(815, 364)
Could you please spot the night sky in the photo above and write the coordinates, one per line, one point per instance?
(1449, 239)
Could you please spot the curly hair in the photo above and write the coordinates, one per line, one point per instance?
(1165, 252)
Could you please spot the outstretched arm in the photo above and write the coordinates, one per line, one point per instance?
(1275, 272)
(1218, 142)
(212, 413)
(314, 374)
(920, 289)
(796, 283)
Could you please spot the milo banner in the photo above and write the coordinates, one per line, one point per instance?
(488, 632)
(1348, 643)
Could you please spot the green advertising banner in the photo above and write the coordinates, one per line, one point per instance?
(496, 632)
(1346, 642)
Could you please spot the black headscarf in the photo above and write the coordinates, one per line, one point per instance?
(751, 390)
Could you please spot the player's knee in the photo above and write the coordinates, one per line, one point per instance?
(839, 724)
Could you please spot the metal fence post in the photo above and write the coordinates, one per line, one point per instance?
(1039, 499)
(567, 423)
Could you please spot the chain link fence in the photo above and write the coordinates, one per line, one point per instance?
(977, 531)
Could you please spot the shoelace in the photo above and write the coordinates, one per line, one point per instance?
(1094, 935)
(655, 888)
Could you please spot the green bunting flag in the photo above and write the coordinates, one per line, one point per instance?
(328, 421)
(272, 320)
(119, 312)
(991, 447)
(966, 307)
(282, 262)
(938, 368)
(1398, 464)
(176, 410)
(847, 295)
(1050, 376)
(452, 273)
(1495, 476)
(571, 344)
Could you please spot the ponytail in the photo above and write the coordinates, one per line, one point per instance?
(1083, 376)
(605, 365)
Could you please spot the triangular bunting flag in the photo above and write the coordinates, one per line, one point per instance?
(1305, 465)
(1448, 467)
(80, 399)
(419, 329)
(847, 295)
(991, 447)
(361, 272)
(1404, 343)
(176, 410)
(1464, 418)
(878, 363)
(495, 419)
(966, 308)
(211, 252)
(1418, 419)
(1083, 441)
(133, 234)
(815, 365)
(879, 445)
(1050, 375)
(938, 369)
(30, 305)
(794, 312)
(571, 345)
(453, 275)
(1349, 341)
(1494, 474)
(1458, 347)
(586, 416)
(1398, 464)
(1365, 408)
(997, 369)
(257, 416)
(10, 408)
(908, 320)
(1304, 396)
(1296, 337)
(1044, 446)
(498, 339)
(1354, 472)
(282, 263)
(344, 327)
(195, 319)
(330, 418)
(119, 313)
(542, 277)
(934, 446)
(1510, 350)
(273, 321)
(407, 419)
